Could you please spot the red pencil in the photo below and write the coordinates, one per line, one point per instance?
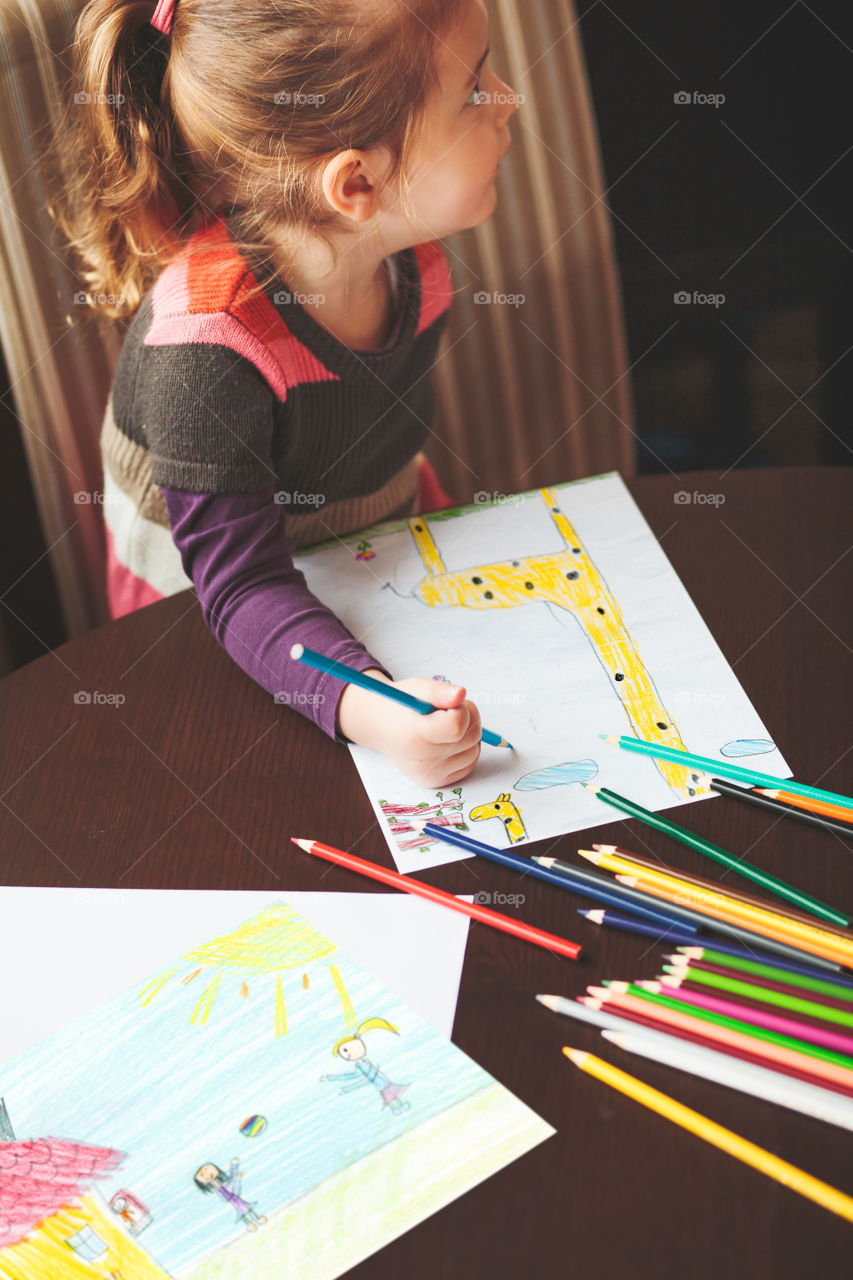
(473, 909)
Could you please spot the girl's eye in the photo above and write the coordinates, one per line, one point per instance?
(475, 98)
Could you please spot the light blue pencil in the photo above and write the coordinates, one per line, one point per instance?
(721, 768)
(320, 663)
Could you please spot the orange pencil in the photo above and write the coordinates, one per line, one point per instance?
(723, 1035)
(517, 928)
(806, 802)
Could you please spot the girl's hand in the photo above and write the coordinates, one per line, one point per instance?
(433, 750)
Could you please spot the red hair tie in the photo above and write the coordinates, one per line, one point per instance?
(163, 16)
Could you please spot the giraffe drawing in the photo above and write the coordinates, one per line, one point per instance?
(569, 579)
(509, 815)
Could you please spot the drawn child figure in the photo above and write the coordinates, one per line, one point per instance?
(267, 211)
(210, 1178)
(353, 1049)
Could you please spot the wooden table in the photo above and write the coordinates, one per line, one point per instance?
(196, 780)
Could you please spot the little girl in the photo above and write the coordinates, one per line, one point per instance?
(262, 187)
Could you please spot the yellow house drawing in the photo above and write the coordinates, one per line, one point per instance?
(53, 1224)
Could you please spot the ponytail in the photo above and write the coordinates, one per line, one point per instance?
(165, 130)
(125, 197)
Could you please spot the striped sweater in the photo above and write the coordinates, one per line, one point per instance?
(238, 429)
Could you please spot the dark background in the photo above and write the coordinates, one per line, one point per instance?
(748, 199)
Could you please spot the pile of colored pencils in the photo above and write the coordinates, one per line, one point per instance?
(794, 935)
(780, 1036)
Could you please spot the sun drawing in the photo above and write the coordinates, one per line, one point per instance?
(275, 940)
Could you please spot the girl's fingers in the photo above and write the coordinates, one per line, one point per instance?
(446, 727)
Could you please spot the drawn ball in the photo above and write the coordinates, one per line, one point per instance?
(253, 1126)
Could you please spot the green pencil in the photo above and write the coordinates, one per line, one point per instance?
(734, 1024)
(771, 971)
(721, 767)
(352, 676)
(746, 869)
(766, 995)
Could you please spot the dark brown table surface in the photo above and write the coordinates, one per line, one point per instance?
(197, 780)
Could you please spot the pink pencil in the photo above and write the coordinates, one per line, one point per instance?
(784, 1026)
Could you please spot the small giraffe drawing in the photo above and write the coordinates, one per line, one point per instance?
(509, 815)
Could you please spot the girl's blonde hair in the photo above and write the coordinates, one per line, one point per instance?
(237, 111)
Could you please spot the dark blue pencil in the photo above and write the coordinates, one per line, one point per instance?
(352, 676)
(589, 884)
(625, 923)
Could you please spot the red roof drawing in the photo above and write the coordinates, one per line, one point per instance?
(38, 1178)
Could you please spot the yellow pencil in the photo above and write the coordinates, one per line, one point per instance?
(619, 860)
(715, 906)
(764, 921)
(673, 880)
(764, 1161)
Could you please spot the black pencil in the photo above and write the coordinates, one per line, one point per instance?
(726, 788)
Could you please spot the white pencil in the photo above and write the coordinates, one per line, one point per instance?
(771, 1086)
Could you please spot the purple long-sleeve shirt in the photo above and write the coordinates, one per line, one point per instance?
(236, 550)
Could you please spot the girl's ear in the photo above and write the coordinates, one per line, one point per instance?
(348, 186)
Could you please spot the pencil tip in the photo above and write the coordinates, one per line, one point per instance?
(296, 651)
(577, 1056)
(543, 862)
(303, 844)
(590, 786)
(597, 916)
(550, 1002)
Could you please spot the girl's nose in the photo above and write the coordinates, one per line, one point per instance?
(507, 102)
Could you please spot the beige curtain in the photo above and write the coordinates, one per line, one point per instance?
(526, 395)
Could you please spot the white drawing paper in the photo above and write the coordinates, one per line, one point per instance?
(563, 618)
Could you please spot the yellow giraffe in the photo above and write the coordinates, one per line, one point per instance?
(504, 809)
(570, 580)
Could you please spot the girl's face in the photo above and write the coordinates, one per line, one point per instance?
(464, 134)
(352, 1050)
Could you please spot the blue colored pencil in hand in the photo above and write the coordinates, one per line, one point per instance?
(349, 674)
